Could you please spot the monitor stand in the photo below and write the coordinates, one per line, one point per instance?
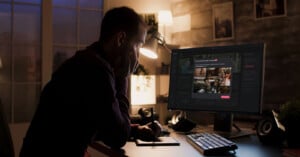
(223, 124)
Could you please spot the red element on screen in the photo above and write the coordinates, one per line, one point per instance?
(225, 97)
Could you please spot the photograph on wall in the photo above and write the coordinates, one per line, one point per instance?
(222, 14)
(269, 8)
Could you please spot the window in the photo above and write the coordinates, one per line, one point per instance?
(20, 71)
(76, 24)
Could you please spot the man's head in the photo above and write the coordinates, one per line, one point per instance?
(122, 34)
(120, 19)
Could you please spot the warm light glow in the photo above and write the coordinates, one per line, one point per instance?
(142, 89)
(148, 53)
(182, 23)
(165, 17)
(164, 84)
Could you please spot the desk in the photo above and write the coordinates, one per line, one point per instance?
(248, 146)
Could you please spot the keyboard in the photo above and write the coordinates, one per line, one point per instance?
(211, 143)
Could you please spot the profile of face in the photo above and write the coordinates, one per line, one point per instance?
(129, 51)
(134, 48)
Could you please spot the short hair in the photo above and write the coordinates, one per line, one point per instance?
(120, 19)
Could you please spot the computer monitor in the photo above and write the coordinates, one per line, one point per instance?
(220, 79)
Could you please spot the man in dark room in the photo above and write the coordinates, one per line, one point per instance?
(86, 98)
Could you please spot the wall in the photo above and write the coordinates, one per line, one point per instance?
(281, 35)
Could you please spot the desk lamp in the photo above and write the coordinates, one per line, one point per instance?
(150, 47)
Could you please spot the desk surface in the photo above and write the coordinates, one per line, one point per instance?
(247, 146)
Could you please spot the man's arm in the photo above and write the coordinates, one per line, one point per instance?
(119, 129)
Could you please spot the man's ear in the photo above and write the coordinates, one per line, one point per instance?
(121, 37)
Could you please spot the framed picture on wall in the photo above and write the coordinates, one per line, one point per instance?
(269, 8)
(222, 14)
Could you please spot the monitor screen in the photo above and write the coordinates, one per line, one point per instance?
(217, 79)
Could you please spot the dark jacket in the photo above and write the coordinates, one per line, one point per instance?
(82, 100)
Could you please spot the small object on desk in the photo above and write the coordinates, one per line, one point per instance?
(179, 123)
(211, 143)
(162, 141)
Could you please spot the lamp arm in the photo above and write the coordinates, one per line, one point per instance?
(166, 47)
(161, 40)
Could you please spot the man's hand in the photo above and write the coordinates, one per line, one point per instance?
(149, 131)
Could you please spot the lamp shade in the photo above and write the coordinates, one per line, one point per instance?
(149, 48)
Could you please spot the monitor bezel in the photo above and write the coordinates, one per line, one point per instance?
(241, 48)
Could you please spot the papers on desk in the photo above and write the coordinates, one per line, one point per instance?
(163, 141)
